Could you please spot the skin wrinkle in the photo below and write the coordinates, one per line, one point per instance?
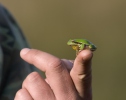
(83, 78)
(86, 70)
(70, 63)
(55, 65)
(57, 69)
(69, 92)
(87, 85)
(65, 78)
(86, 73)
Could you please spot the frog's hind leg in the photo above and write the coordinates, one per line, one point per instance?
(91, 47)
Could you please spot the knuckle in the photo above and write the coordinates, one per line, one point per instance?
(55, 64)
(33, 77)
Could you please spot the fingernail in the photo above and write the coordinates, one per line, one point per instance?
(24, 51)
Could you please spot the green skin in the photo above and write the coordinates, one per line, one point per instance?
(81, 44)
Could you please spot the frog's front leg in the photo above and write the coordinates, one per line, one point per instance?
(82, 46)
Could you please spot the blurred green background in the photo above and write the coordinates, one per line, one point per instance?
(49, 24)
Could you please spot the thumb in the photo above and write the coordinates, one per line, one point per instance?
(81, 74)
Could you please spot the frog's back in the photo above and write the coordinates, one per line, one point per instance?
(88, 43)
(82, 41)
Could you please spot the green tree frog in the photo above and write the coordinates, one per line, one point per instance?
(81, 44)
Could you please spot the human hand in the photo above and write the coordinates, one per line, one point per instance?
(65, 79)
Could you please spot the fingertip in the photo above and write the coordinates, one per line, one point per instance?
(82, 65)
(24, 51)
(81, 73)
(23, 94)
(85, 55)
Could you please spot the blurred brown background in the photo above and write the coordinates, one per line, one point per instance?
(49, 24)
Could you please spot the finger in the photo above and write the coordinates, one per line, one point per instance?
(57, 74)
(68, 63)
(81, 73)
(37, 87)
(23, 94)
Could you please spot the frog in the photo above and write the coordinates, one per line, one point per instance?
(81, 44)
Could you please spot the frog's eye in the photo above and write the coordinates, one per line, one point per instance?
(77, 42)
(72, 41)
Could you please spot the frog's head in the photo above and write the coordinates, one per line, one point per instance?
(71, 42)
